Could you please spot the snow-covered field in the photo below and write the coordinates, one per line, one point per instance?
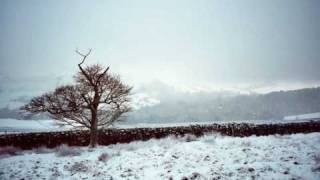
(302, 116)
(208, 157)
(21, 126)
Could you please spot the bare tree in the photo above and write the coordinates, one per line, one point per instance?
(95, 100)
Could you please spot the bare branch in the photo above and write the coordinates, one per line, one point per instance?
(84, 56)
(102, 74)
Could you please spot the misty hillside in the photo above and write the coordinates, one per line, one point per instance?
(213, 107)
(164, 104)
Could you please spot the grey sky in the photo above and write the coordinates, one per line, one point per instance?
(179, 42)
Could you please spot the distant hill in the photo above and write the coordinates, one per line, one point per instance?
(210, 107)
(173, 106)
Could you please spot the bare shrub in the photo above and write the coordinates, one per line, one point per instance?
(316, 166)
(189, 138)
(78, 167)
(195, 175)
(103, 157)
(42, 150)
(316, 158)
(65, 150)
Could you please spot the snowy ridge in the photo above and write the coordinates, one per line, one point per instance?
(303, 116)
(24, 126)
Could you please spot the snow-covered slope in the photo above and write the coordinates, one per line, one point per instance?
(208, 157)
(303, 116)
(20, 126)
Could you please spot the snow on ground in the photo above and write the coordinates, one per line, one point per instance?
(208, 157)
(20, 126)
(302, 116)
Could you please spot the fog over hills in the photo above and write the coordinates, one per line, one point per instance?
(218, 60)
(184, 106)
(158, 102)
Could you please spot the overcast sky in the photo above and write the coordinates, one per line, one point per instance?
(184, 43)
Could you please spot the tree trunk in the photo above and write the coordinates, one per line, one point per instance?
(93, 131)
(94, 119)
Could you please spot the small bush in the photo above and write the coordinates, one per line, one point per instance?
(42, 150)
(195, 175)
(9, 150)
(65, 150)
(189, 138)
(316, 159)
(78, 167)
(103, 157)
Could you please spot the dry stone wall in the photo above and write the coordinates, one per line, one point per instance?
(112, 136)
